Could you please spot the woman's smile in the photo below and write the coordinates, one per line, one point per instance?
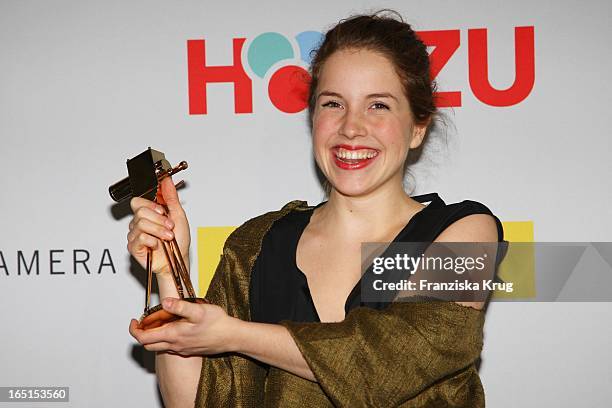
(349, 157)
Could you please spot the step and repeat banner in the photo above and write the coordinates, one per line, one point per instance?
(85, 85)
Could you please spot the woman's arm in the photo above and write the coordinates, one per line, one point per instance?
(178, 378)
(271, 344)
(177, 375)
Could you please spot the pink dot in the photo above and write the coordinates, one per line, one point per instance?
(288, 89)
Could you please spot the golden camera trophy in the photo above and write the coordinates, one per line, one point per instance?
(145, 172)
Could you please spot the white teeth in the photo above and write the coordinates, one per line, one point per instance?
(355, 154)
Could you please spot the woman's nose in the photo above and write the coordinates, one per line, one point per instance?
(353, 124)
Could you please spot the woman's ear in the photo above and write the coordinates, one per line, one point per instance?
(418, 134)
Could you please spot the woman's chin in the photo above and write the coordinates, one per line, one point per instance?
(353, 190)
(364, 186)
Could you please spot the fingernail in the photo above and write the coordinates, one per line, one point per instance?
(159, 210)
(168, 234)
(169, 223)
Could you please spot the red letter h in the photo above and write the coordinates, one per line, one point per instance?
(200, 75)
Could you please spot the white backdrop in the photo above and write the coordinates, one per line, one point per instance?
(86, 84)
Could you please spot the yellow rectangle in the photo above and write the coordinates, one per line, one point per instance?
(210, 247)
(518, 265)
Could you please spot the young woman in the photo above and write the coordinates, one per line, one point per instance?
(286, 325)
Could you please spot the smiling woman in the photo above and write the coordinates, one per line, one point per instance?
(286, 325)
(377, 113)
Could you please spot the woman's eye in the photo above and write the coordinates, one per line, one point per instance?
(331, 104)
(379, 105)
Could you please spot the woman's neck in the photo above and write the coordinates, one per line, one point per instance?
(376, 216)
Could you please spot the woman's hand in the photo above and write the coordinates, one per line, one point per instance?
(205, 329)
(151, 223)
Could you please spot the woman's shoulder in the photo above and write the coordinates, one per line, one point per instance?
(477, 218)
(467, 205)
(467, 213)
(472, 207)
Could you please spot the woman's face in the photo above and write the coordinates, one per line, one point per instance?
(362, 124)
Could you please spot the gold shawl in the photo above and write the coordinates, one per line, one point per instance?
(413, 354)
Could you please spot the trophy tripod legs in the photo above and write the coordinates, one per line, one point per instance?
(157, 316)
(149, 280)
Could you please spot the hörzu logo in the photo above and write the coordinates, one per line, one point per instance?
(288, 83)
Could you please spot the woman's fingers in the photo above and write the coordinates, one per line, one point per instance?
(142, 241)
(159, 339)
(162, 346)
(148, 227)
(144, 338)
(150, 215)
(145, 212)
(134, 328)
(164, 333)
(190, 311)
(171, 196)
(138, 202)
(153, 222)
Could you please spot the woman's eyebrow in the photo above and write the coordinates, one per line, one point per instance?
(329, 93)
(370, 96)
(382, 95)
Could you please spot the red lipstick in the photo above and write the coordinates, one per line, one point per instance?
(352, 164)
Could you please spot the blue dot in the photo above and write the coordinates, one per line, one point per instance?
(266, 50)
(308, 41)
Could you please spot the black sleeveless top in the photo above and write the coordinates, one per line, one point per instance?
(279, 290)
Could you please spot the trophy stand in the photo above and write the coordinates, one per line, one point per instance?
(156, 316)
(145, 174)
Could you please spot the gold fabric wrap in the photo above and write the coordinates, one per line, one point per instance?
(413, 354)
